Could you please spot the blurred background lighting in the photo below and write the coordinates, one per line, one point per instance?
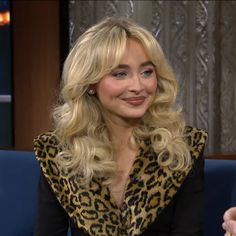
(4, 18)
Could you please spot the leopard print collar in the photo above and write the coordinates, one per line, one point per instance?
(149, 189)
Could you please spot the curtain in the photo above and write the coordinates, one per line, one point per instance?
(199, 39)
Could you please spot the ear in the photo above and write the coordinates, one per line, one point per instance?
(91, 90)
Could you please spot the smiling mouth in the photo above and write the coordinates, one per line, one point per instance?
(135, 100)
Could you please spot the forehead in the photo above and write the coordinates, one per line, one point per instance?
(134, 45)
(134, 52)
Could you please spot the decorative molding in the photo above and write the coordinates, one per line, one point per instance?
(228, 76)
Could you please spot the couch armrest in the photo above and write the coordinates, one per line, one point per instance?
(220, 193)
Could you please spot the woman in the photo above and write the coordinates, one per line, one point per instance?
(120, 161)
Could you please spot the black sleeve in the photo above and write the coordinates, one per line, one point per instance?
(52, 220)
(188, 205)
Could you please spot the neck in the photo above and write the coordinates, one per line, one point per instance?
(120, 134)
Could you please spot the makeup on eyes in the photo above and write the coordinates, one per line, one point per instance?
(123, 70)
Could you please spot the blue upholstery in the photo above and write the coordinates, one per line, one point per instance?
(19, 173)
(220, 176)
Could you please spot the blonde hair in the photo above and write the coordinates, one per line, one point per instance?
(78, 119)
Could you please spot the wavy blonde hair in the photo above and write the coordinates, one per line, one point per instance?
(78, 118)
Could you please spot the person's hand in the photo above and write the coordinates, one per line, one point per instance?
(229, 224)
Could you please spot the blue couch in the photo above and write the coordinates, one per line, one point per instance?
(19, 173)
(220, 177)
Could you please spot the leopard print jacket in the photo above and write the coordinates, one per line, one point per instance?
(149, 190)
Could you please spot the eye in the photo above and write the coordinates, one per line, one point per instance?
(119, 74)
(146, 73)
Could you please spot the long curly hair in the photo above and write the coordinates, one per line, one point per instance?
(79, 123)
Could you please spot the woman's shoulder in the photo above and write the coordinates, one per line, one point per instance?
(196, 140)
(195, 132)
(46, 147)
(49, 137)
(46, 142)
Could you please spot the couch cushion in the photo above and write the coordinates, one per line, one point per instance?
(19, 173)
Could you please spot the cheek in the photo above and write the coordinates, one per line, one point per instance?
(109, 88)
(152, 86)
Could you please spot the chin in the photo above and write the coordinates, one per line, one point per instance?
(135, 116)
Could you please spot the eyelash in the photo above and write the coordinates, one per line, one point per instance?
(149, 71)
(122, 74)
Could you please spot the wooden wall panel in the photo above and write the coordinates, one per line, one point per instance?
(36, 67)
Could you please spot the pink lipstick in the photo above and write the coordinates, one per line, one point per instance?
(135, 101)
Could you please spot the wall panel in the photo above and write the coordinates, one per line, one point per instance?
(36, 67)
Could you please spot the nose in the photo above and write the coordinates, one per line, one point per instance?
(136, 84)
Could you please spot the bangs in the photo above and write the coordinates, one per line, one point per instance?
(109, 52)
(150, 45)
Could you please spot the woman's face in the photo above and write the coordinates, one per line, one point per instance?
(129, 90)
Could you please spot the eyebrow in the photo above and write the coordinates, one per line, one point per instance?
(125, 66)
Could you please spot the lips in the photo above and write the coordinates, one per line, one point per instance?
(135, 100)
